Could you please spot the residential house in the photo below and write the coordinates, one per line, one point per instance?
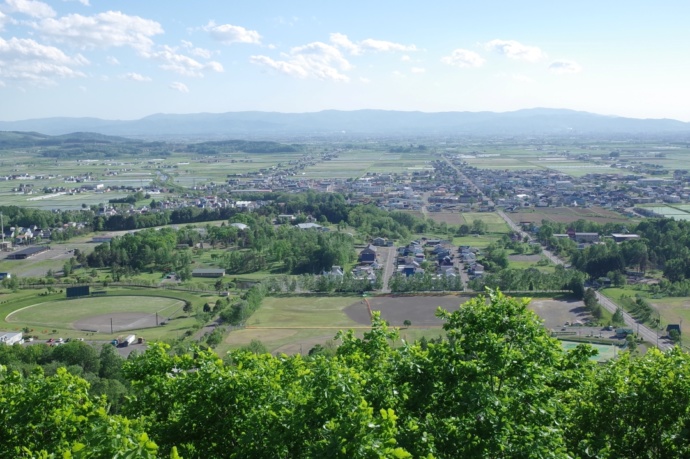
(368, 254)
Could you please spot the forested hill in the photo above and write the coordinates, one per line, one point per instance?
(17, 139)
(244, 146)
(91, 145)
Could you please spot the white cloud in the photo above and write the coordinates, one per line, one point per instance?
(32, 8)
(515, 50)
(103, 30)
(364, 80)
(380, 45)
(83, 2)
(3, 18)
(229, 34)
(562, 66)
(198, 52)
(172, 61)
(405, 58)
(2, 84)
(314, 60)
(341, 40)
(136, 77)
(112, 60)
(26, 60)
(177, 86)
(463, 58)
(369, 44)
(418, 70)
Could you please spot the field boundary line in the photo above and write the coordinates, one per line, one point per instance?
(371, 314)
(21, 309)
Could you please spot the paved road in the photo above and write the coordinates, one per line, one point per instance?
(647, 334)
(389, 259)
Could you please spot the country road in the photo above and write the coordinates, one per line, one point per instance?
(388, 265)
(647, 334)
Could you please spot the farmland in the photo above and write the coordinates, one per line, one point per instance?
(567, 215)
(387, 175)
(295, 324)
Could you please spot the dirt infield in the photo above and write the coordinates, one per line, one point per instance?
(121, 321)
(420, 310)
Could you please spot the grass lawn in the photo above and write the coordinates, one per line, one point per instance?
(284, 324)
(493, 221)
(478, 240)
(62, 313)
(530, 264)
(296, 324)
(27, 308)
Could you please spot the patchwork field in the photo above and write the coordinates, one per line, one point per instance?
(296, 324)
(493, 221)
(567, 215)
(451, 218)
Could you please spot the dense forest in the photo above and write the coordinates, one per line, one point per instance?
(496, 386)
(241, 146)
(92, 145)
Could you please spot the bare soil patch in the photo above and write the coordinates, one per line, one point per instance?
(556, 313)
(121, 321)
(529, 258)
(420, 310)
(567, 215)
(451, 218)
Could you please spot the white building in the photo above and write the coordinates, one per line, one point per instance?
(11, 338)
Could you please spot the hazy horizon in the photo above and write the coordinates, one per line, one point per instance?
(88, 58)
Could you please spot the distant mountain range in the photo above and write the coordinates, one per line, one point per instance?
(358, 123)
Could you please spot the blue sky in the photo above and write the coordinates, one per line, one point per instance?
(127, 59)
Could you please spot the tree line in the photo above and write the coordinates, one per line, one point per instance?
(495, 386)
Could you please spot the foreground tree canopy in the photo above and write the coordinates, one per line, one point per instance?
(496, 387)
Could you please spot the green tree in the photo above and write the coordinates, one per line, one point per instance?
(479, 226)
(617, 318)
(56, 415)
(255, 347)
(78, 353)
(110, 363)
